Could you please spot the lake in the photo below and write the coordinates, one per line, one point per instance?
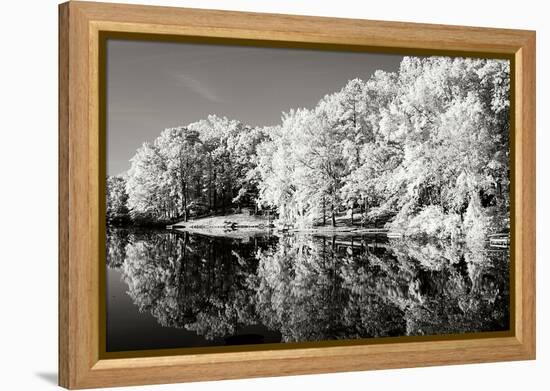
(172, 289)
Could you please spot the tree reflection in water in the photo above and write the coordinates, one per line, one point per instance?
(311, 288)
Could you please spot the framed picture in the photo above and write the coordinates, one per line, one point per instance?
(246, 195)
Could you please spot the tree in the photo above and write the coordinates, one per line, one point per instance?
(183, 154)
(230, 159)
(117, 199)
(302, 167)
(147, 184)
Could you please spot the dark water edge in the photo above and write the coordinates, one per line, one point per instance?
(130, 329)
(168, 289)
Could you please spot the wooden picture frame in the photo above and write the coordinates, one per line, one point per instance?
(82, 164)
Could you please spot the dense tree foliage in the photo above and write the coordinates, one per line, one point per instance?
(424, 149)
(117, 200)
(205, 166)
(428, 144)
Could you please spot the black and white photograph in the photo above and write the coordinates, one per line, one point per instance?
(270, 195)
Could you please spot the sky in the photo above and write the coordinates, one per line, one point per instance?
(156, 85)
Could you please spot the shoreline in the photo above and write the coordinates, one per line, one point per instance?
(244, 222)
(239, 225)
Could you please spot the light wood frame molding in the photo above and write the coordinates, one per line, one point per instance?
(80, 167)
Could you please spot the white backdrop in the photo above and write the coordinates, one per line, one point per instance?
(28, 206)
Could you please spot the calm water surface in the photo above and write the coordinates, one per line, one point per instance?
(176, 289)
